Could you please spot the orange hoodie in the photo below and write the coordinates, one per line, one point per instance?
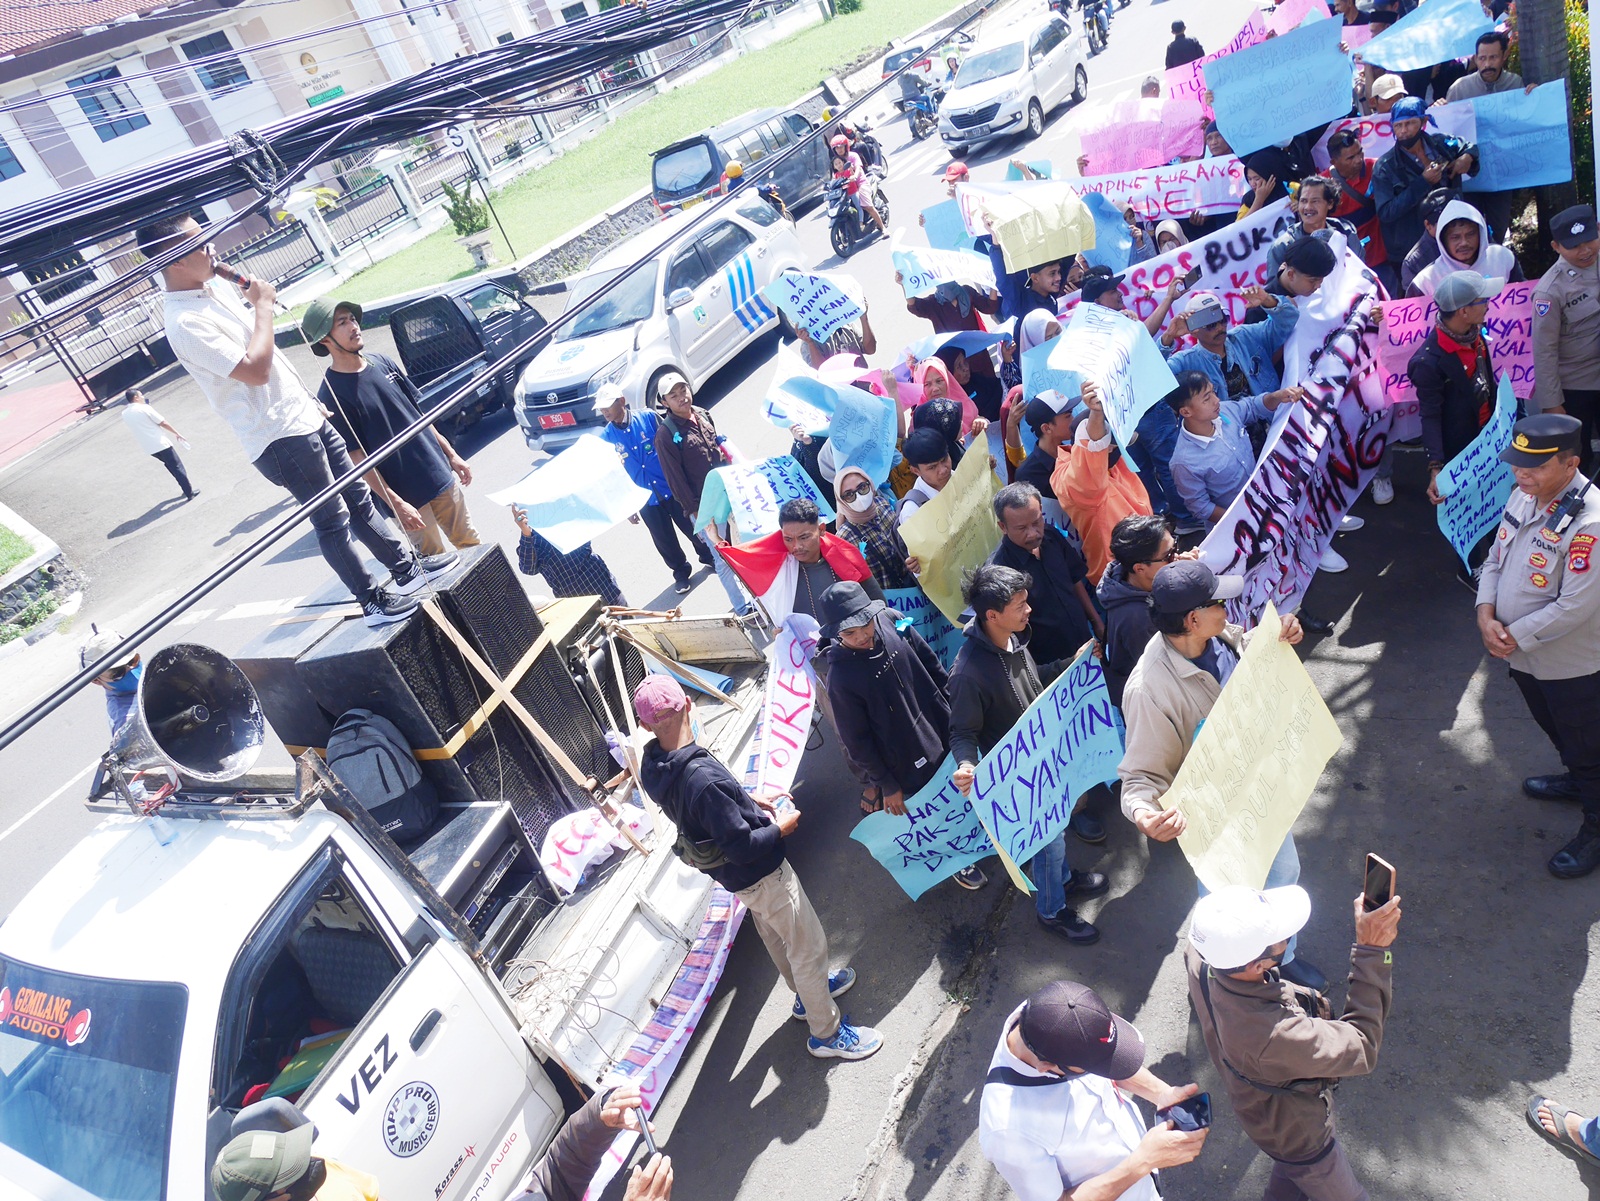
(1095, 499)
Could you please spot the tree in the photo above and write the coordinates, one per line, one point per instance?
(1545, 55)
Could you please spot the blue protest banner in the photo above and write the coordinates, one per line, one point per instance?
(937, 837)
(1042, 169)
(752, 493)
(817, 304)
(944, 227)
(1069, 740)
(1522, 139)
(576, 496)
(795, 395)
(1267, 93)
(1113, 240)
(1432, 33)
(1118, 354)
(1476, 484)
(1039, 374)
(862, 433)
(967, 341)
(926, 619)
(923, 269)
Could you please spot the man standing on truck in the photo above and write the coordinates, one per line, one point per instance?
(370, 399)
(738, 842)
(230, 352)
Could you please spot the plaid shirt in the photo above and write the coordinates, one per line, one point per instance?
(581, 573)
(880, 544)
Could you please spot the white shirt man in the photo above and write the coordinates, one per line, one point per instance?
(155, 436)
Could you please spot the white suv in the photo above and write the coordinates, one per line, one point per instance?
(691, 309)
(1010, 81)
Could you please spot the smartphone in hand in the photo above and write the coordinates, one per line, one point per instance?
(1193, 1114)
(1379, 884)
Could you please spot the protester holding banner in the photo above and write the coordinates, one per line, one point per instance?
(866, 518)
(1315, 202)
(689, 449)
(1064, 617)
(1464, 245)
(1539, 609)
(1096, 489)
(1140, 547)
(992, 684)
(1566, 328)
(739, 843)
(1353, 204)
(1049, 416)
(1173, 688)
(1237, 359)
(580, 572)
(953, 307)
(1214, 458)
(1418, 163)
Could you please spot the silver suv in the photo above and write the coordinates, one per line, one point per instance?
(1010, 81)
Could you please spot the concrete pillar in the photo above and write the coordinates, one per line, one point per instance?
(391, 162)
(465, 137)
(303, 205)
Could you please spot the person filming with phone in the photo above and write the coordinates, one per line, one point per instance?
(1277, 1046)
(1056, 1118)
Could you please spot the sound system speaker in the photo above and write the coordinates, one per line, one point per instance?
(271, 661)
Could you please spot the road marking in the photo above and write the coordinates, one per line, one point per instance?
(18, 824)
(266, 608)
(192, 617)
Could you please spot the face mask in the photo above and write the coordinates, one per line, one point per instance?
(129, 681)
(861, 504)
(1408, 143)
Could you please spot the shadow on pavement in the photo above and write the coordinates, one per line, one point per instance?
(134, 524)
(252, 523)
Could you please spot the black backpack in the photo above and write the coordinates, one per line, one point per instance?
(372, 759)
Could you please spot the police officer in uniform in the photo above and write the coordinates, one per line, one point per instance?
(1566, 327)
(1539, 608)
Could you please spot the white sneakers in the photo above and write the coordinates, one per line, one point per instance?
(1332, 561)
(1382, 490)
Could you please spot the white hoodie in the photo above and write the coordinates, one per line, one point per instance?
(1493, 261)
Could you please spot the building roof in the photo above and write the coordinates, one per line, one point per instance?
(38, 24)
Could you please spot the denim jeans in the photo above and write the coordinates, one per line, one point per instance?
(1285, 869)
(305, 464)
(730, 582)
(1050, 875)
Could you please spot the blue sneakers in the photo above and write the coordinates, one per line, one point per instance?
(848, 1042)
(839, 983)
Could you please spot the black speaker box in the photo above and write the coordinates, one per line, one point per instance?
(270, 660)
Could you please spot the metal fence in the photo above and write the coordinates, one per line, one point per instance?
(504, 141)
(365, 211)
(280, 255)
(432, 169)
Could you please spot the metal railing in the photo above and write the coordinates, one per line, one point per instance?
(504, 141)
(432, 169)
(364, 212)
(280, 255)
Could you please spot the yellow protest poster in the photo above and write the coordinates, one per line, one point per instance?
(1045, 222)
(1254, 765)
(955, 531)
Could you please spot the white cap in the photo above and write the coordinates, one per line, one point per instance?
(607, 395)
(668, 382)
(1388, 87)
(1233, 926)
(100, 643)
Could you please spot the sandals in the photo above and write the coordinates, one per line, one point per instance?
(1562, 1137)
(871, 800)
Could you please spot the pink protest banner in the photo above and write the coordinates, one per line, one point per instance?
(1291, 14)
(1509, 328)
(1188, 82)
(1207, 186)
(1355, 36)
(1132, 135)
(1377, 138)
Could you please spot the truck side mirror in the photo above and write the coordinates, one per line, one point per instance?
(678, 298)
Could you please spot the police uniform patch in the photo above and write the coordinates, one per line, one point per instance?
(1504, 533)
(1539, 580)
(1537, 559)
(1582, 548)
(1543, 307)
(1549, 535)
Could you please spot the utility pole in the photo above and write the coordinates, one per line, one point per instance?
(1542, 42)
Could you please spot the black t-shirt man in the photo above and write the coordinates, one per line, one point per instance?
(370, 406)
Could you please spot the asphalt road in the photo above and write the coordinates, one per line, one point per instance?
(1492, 991)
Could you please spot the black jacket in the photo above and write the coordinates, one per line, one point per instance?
(990, 689)
(890, 707)
(706, 800)
(1419, 256)
(1128, 628)
(1452, 402)
(1182, 50)
(1398, 186)
(1059, 625)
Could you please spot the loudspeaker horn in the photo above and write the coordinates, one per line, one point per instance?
(196, 712)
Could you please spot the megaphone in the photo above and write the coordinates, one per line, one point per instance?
(196, 712)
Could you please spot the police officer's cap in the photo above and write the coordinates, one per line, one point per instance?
(1574, 226)
(1536, 441)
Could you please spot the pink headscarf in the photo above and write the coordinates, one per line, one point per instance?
(953, 390)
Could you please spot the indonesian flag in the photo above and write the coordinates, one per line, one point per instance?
(771, 572)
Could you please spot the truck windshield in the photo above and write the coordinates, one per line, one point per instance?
(632, 300)
(683, 169)
(87, 1074)
(991, 64)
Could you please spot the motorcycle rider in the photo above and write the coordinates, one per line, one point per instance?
(847, 166)
(1097, 16)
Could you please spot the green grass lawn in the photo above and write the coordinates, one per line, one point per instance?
(539, 207)
(14, 548)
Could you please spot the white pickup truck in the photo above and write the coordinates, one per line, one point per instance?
(146, 987)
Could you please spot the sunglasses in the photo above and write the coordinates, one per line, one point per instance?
(856, 493)
(1166, 558)
(116, 673)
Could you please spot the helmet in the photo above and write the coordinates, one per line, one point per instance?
(839, 142)
(827, 114)
(734, 171)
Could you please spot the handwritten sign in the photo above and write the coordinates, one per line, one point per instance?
(1508, 330)
(1031, 222)
(750, 494)
(1476, 484)
(1188, 82)
(1038, 375)
(786, 706)
(577, 841)
(1267, 93)
(1432, 33)
(926, 619)
(923, 270)
(818, 304)
(938, 835)
(944, 228)
(578, 495)
(1254, 765)
(954, 532)
(1131, 135)
(1120, 356)
(1113, 240)
(1294, 13)
(863, 432)
(1522, 138)
(1375, 132)
(1208, 186)
(1066, 742)
(796, 394)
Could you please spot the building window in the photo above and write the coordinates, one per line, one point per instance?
(109, 105)
(59, 277)
(220, 74)
(574, 12)
(504, 38)
(9, 165)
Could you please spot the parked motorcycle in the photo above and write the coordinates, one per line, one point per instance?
(922, 112)
(848, 223)
(1097, 24)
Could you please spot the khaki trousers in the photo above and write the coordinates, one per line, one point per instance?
(789, 927)
(445, 516)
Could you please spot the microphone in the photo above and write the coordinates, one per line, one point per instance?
(241, 281)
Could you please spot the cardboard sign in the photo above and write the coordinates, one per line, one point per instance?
(1476, 484)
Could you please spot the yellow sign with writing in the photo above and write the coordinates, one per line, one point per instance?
(955, 531)
(1254, 765)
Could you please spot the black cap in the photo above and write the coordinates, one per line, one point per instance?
(1067, 1024)
(1096, 283)
(1536, 440)
(844, 606)
(1039, 412)
(1188, 584)
(1574, 226)
(1310, 256)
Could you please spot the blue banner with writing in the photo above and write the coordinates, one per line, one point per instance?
(938, 835)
